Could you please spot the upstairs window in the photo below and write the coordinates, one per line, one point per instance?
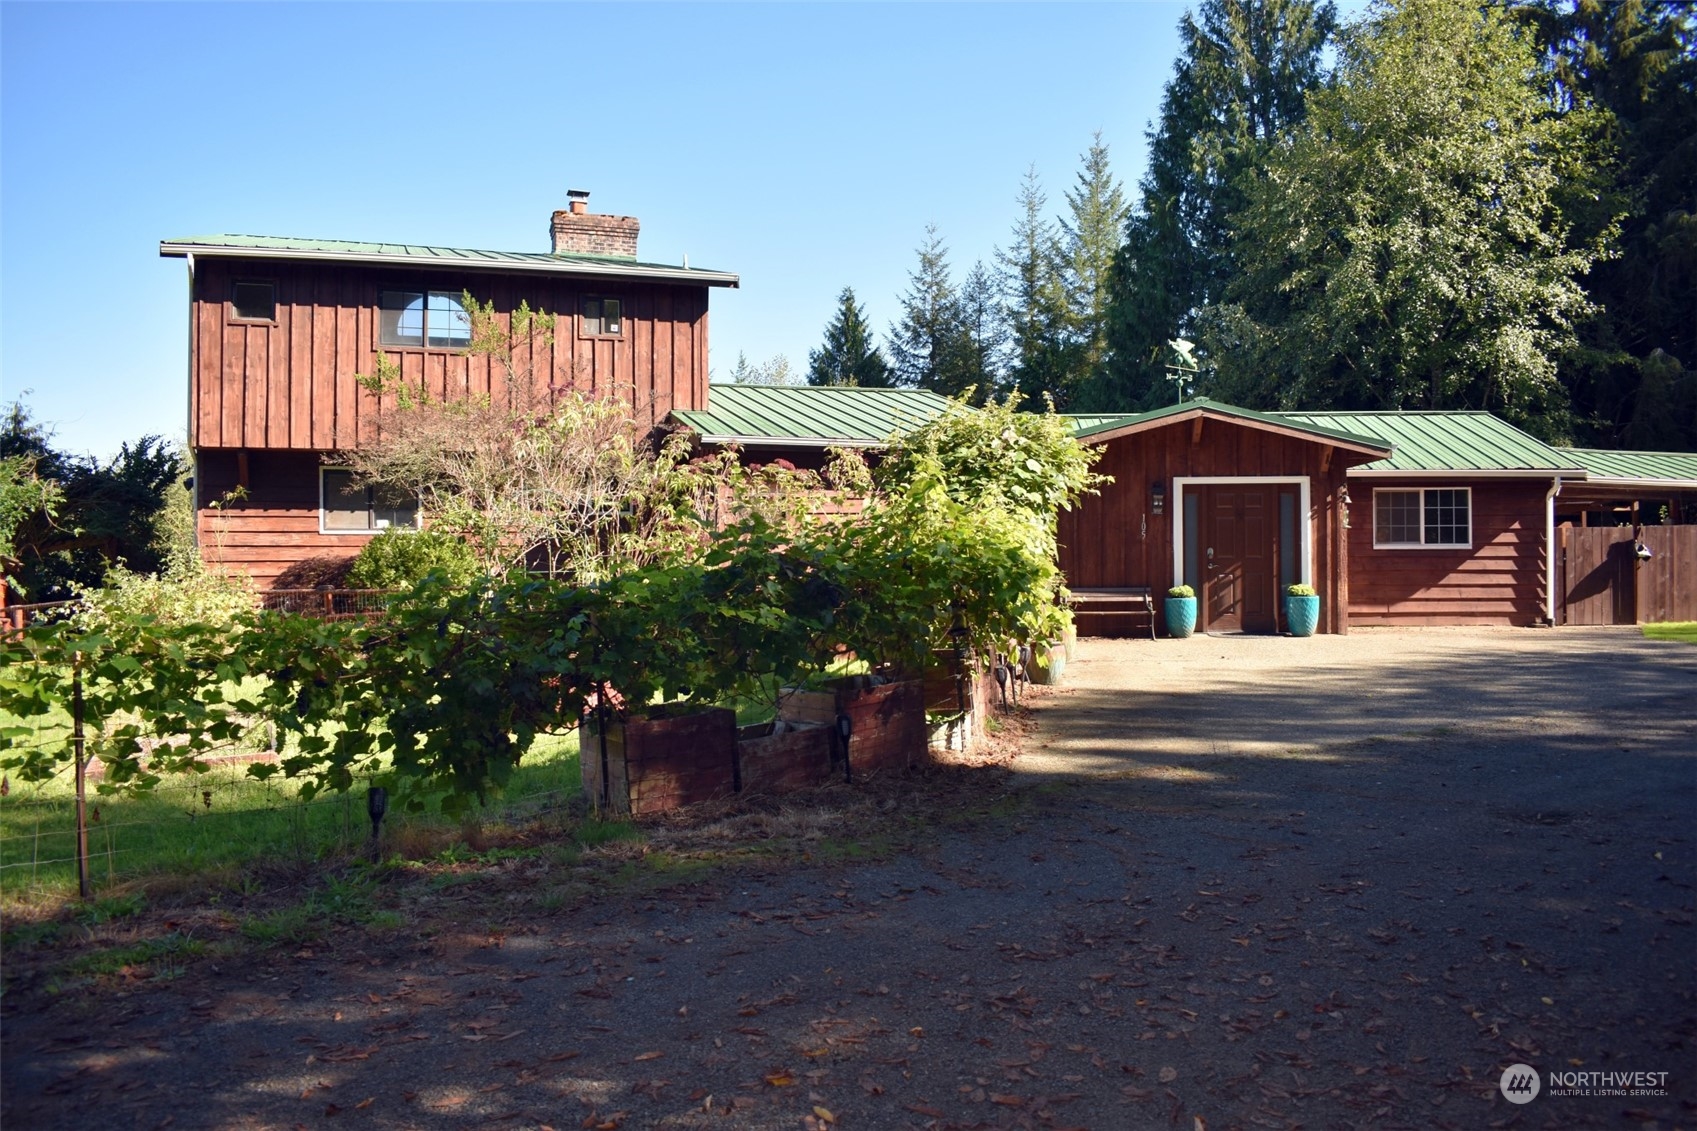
(429, 319)
(350, 507)
(1430, 518)
(254, 302)
(602, 318)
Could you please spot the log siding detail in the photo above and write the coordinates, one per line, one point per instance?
(290, 383)
(1499, 580)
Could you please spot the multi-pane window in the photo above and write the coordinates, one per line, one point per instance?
(1431, 516)
(602, 318)
(254, 302)
(433, 319)
(350, 506)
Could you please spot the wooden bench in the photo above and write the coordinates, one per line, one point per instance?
(1136, 601)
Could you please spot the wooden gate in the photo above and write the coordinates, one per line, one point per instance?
(1603, 581)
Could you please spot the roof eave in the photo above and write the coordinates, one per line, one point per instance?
(1360, 444)
(172, 250)
(1573, 473)
(785, 441)
(1614, 483)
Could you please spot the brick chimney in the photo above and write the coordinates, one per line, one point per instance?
(578, 232)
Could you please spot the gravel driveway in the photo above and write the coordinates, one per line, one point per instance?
(1233, 882)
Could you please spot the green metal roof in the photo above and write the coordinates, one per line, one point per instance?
(1655, 467)
(418, 255)
(1436, 442)
(809, 416)
(1092, 427)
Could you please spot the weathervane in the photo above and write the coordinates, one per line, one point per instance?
(1183, 367)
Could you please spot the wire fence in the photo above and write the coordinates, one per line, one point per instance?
(222, 817)
(326, 603)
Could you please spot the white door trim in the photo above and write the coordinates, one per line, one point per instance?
(1306, 520)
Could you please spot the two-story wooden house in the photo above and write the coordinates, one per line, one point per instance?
(280, 328)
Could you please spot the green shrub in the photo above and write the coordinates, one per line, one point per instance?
(1181, 591)
(1300, 591)
(190, 594)
(398, 559)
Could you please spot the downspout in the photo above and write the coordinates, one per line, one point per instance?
(188, 421)
(1550, 551)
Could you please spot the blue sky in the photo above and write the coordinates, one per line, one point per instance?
(805, 147)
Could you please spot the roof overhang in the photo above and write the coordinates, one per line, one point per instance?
(1601, 483)
(811, 442)
(1563, 473)
(647, 272)
(1362, 445)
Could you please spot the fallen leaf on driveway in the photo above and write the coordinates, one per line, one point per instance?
(1168, 1074)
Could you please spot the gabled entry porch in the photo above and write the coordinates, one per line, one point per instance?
(1235, 503)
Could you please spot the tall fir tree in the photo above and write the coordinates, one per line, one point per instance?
(1244, 72)
(1632, 64)
(848, 355)
(980, 356)
(924, 343)
(1034, 300)
(1090, 238)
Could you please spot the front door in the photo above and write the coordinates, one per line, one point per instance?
(1238, 580)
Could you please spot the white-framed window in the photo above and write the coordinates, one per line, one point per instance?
(425, 319)
(603, 318)
(1426, 518)
(347, 506)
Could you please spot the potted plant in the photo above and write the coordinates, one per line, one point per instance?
(1302, 610)
(1180, 607)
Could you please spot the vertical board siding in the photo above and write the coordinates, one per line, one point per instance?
(1604, 582)
(290, 384)
(1500, 580)
(1113, 540)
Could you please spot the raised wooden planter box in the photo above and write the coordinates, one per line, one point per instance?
(656, 764)
(887, 721)
(798, 757)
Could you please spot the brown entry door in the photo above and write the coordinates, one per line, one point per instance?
(1237, 558)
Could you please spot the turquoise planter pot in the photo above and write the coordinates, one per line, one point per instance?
(1302, 615)
(1181, 616)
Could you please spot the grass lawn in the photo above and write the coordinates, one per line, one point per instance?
(192, 826)
(1684, 631)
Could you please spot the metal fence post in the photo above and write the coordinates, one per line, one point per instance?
(84, 888)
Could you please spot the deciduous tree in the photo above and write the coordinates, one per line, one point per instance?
(1406, 248)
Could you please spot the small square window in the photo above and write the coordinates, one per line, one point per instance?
(254, 302)
(603, 318)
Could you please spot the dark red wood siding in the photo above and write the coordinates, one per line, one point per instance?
(289, 384)
(273, 529)
(1114, 540)
(1500, 579)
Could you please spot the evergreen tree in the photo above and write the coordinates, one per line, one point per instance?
(1089, 241)
(1407, 249)
(848, 355)
(87, 515)
(924, 344)
(1034, 301)
(1241, 81)
(979, 360)
(1631, 65)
